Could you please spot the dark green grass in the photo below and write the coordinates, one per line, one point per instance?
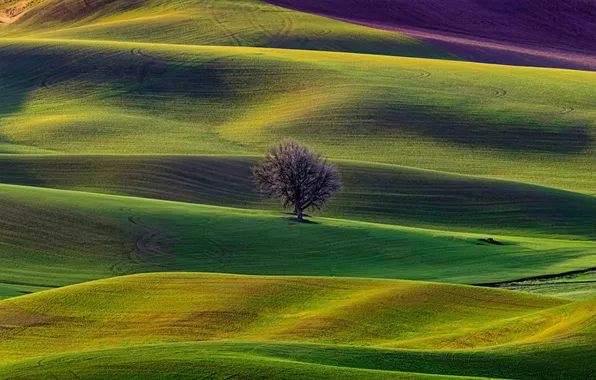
(55, 237)
(189, 361)
(255, 360)
(374, 193)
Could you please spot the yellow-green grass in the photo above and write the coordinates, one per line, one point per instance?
(177, 307)
(373, 193)
(224, 325)
(53, 238)
(255, 360)
(209, 22)
(94, 97)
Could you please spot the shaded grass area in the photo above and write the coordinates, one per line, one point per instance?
(541, 23)
(283, 359)
(97, 97)
(177, 307)
(190, 361)
(58, 237)
(374, 193)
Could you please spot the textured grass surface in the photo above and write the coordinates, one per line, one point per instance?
(188, 362)
(242, 359)
(514, 32)
(209, 22)
(155, 308)
(576, 290)
(530, 125)
(174, 100)
(522, 21)
(159, 308)
(571, 286)
(57, 237)
(374, 193)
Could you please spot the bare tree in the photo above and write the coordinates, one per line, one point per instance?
(301, 178)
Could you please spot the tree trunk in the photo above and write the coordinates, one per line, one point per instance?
(299, 215)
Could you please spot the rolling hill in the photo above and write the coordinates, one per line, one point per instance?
(133, 244)
(211, 23)
(527, 32)
(160, 308)
(56, 237)
(112, 98)
(373, 193)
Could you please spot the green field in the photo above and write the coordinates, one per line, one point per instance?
(133, 243)
(98, 97)
(131, 235)
(267, 313)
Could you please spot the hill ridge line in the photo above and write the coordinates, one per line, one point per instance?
(278, 50)
(476, 235)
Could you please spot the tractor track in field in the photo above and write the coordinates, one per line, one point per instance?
(152, 66)
(212, 9)
(499, 92)
(53, 80)
(566, 110)
(148, 244)
(287, 26)
(148, 69)
(186, 10)
(40, 365)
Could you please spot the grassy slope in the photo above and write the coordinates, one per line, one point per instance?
(225, 359)
(571, 286)
(159, 308)
(575, 290)
(104, 97)
(154, 308)
(190, 362)
(542, 24)
(374, 193)
(67, 237)
(138, 97)
(209, 22)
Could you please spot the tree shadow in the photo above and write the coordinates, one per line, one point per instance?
(294, 220)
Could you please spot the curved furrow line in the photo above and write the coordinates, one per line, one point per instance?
(148, 244)
(213, 10)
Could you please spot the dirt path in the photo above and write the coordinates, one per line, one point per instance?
(543, 280)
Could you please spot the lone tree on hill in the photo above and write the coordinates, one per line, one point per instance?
(301, 178)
